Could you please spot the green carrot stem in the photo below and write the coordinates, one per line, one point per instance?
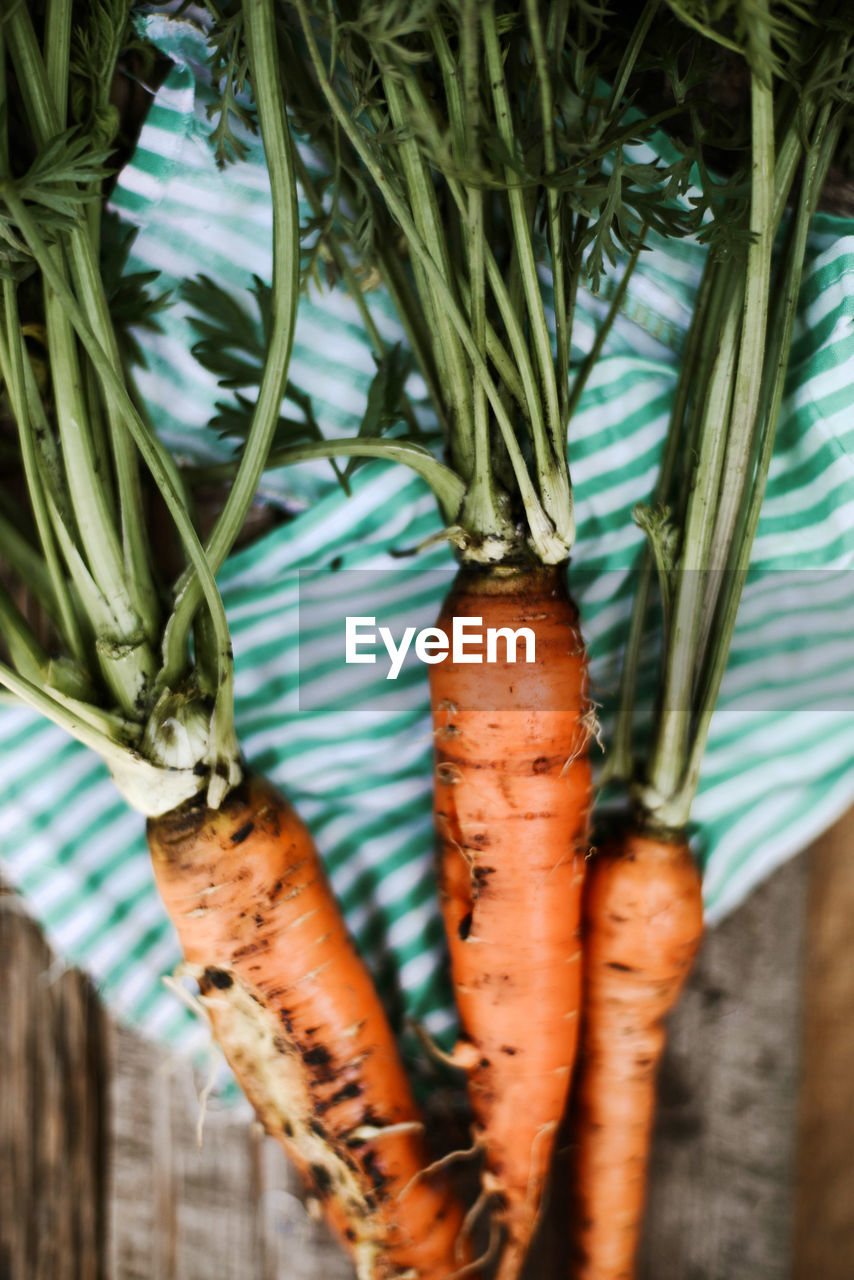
(587, 365)
(133, 533)
(718, 281)
(689, 385)
(73, 722)
(505, 366)
(551, 547)
(516, 367)
(754, 322)
(674, 720)
(675, 765)
(519, 379)
(630, 54)
(86, 471)
(90, 291)
(726, 419)
(261, 35)
(88, 477)
(446, 484)
(562, 310)
(481, 513)
(342, 265)
(351, 285)
(152, 789)
(57, 44)
(412, 316)
(28, 656)
(25, 562)
(550, 449)
(154, 454)
(13, 369)
(481, 509)
(817, 162)
(459, 109)
(385, 248)
(449, 352)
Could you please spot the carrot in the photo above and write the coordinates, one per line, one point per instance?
(643, 919)
(288, 997)
(298, 1019)
(512, 803)
(643, 908)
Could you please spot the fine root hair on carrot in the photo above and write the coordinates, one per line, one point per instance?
(593, 725)
(369, 1132)
(446, 831)
(589, 730)
(204, 1094)
(470, 1220)
(172, 982)
(314, 1209)
(443, 1162)
(433, 1050)
(546, 1131)
(488, 1256)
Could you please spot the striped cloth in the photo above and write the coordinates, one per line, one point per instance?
(779, 762)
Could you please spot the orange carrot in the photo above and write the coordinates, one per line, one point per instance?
(643, 920)
(512, 804)
(298, 1019)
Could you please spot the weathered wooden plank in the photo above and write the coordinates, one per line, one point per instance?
(134, 1243)
(230, 1210)
(53, 1111)
(721, 1198)
(824, 1223)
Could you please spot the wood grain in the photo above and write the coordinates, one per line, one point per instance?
(53, 1111)
(721, 1197)
(824, 1222)
(230, 1210)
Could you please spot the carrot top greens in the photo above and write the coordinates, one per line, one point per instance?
(483, 155)
(479, 157)
(482, 160)
(117, 670)
(705, 511)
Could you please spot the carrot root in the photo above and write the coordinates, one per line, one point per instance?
(512, 806)
(298, 1019)
(643, 919)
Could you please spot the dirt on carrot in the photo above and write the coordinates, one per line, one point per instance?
(643, 921)
(299, 1021)
(512, 807)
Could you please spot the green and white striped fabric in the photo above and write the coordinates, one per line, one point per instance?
(779, 762)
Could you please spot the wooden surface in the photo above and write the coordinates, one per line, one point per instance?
(824, 1222)
(54, 1114)
(103, 1179)
(721, 1198)
(101, 1176)
(230, 1210)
